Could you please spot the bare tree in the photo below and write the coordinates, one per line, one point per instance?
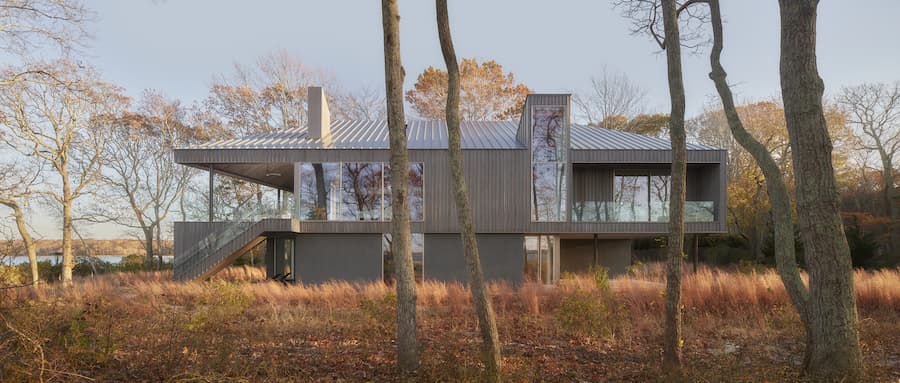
(834, 326)
(407, 342)
(364, 104)
(661, 20)
(672, 338)
(874, 112)
(490, 340)
(267, 96)
(28, 26)
(17, 184)
(779, 195)
(57, 122)
(612, 95)
(140, 170)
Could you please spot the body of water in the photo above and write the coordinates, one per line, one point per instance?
(56, 259)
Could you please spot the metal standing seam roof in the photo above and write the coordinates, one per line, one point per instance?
(432, 134)
(357, 134)
(591, 138)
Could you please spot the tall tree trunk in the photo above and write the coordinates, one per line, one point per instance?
(148, 247)
(834, 353)
(407, 343)
(68, 258)
(159, 254)
(27, 240)
(490, 342)
(675, 252)
(779, 197)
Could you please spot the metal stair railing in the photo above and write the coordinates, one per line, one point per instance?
(199, 258)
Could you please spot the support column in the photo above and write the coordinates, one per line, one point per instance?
(212, 176)
(596, 252)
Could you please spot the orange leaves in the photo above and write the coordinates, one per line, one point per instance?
(487, 92)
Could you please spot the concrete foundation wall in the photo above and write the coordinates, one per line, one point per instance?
(577, 255)
(347, 257)
(502, 257)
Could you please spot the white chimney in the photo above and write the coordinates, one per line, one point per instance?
(318, 114)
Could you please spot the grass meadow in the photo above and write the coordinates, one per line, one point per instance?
(143, 327)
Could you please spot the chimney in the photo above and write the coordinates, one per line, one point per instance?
(317, 113)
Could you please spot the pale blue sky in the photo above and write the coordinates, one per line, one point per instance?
(177, 46)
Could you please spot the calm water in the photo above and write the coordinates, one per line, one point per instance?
(57, 259)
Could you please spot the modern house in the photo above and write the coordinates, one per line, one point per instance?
(548, 196)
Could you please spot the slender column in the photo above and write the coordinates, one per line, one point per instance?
(596, 255)
(212, 176)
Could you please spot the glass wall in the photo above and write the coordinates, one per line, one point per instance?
(637, 196)
(418, 255)
(353, 191)
(542, 258)
(549, 146)
(416, 192)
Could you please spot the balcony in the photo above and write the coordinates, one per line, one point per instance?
(609, 211)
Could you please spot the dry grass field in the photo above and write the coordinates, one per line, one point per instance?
(143, 327)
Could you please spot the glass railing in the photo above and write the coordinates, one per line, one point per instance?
(610, 211)
(237, 220)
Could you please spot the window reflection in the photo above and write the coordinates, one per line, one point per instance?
(547, 139)
(548, 156)
(389, 262)
(631, 194)
(548, 191)
(354, 191)
(361, 191)
(318, 198)
(541, 258)
(416, 192)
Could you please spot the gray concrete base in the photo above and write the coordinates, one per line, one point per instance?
(345, 257)
(577, 255)
(502, 257)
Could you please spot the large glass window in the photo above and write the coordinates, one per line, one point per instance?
(318, 197)
(353, 191)
(548, 191)
(641, 198)
(389, 262)
(548, 163)
(361, 198)
(416, 192)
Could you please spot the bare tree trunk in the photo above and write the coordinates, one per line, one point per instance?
(834, 352)
(159, 254)
(675, 250)
(490, 340)
(148, 247)
(27, 240)
(68, 258)
(779, 197)
(407, 343)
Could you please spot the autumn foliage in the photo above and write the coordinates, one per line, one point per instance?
(486, 92)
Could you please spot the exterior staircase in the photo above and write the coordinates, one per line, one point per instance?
(226, 243)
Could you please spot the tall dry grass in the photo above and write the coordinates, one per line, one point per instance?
(707, 290)
(240, 325)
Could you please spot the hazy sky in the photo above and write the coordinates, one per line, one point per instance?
(177, 46)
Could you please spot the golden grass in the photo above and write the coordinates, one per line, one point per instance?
(208, 328)
(707, 290)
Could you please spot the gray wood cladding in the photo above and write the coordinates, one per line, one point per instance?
(499, 186)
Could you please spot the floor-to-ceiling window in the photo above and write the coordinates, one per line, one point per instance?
(353, 191)
(549, 146)
(389, 262)
(542, 258)
(283, 258)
